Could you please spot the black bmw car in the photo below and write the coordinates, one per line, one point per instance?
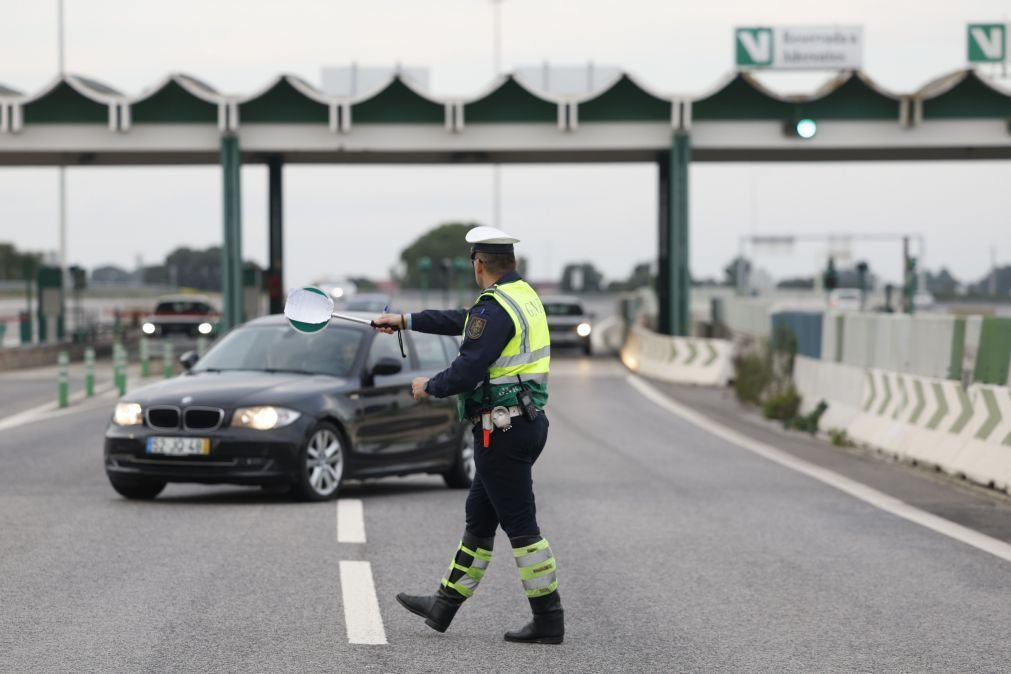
(271, 406)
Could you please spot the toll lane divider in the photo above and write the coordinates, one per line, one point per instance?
(686, 360)
(964, 431)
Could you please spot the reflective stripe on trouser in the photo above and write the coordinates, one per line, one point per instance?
(537, 568)
(468, 565)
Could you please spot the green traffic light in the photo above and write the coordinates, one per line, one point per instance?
(806, 128)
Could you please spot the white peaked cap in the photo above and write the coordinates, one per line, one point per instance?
(484, 234)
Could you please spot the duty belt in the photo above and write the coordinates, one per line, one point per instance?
(514, 411)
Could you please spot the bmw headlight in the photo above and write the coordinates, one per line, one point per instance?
(148, 328)
(264, 418)
(584, 329)
(128, 414)
(205, 328)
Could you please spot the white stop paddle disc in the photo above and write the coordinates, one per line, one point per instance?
(308, 309)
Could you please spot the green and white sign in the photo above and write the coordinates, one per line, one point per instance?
(987, 42)
(753, 47)
(799, 47)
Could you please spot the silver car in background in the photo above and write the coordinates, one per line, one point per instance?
(568, 322)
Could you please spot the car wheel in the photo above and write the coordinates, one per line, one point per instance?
(587, 349)
(137, 489)
(462, 473)
(321, 464)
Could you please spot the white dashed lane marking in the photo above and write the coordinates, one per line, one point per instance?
(362, 618)
(350, 521)
(361, 607)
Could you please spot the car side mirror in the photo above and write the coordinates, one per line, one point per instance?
(387, 365)
(189, 359)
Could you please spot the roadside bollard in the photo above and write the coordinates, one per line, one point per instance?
(145, 358)
(167, 358)
(89, 372)
(201, 346)
(119, 368)
(63, 379)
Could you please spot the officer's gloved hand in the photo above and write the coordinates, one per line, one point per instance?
(388, 323)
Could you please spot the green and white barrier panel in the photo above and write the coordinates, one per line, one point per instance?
(686, 360)
(964, 431)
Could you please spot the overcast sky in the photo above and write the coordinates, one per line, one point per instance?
(355, 220)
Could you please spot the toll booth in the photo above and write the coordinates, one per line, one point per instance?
(50, 308)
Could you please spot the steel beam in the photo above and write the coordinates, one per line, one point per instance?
(231, 248)
(673, 277)
(275, 272)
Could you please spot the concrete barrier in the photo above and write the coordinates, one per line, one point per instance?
(686, 360)
(839, 385)
(607, 335)
(964, 431)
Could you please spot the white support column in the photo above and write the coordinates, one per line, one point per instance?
(334, 117)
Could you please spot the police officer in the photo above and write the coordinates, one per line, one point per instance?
(501, 379)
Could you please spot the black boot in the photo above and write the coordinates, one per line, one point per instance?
(465, 572)
(437, 610)
(548, 625)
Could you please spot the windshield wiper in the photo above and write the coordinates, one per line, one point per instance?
(275, 370)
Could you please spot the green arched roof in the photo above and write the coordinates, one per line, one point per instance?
(964, 95)
(398, 103)
(625, 101)
(180, 99)
(71, 100)
(289, 100)
(851, 96)
(741, 98)
(510, 102)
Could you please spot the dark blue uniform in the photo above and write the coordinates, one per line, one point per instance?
(502, 491)
(476, 355)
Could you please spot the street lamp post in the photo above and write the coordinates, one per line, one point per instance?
(62, 169)
(496, 175)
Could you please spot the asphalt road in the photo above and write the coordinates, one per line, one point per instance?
(678, 551)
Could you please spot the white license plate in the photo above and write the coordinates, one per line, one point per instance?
(178, 446)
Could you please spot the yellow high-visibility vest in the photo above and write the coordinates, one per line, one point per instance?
(527, 356)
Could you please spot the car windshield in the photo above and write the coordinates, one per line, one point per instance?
(182, 307)
(279, 348)
(562, 309)
(368, 306)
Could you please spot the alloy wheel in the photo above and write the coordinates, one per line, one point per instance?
(324, 461)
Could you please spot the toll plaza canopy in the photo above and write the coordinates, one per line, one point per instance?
(182, 120)
(77, 120)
